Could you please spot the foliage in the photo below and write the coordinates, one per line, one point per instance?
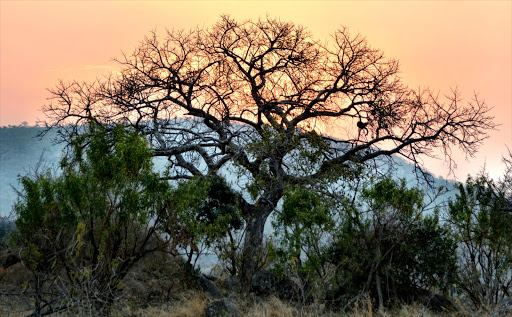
(390, 248)
(482, 225)
(300, 230)
(383, 245)
(83, 231)
(205, 212)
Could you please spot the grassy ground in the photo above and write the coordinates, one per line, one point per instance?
(156, 288)
(193, 303)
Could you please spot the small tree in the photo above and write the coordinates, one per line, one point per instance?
(82, 231)
(381, 244)
(390, 248)
(482, 224)
(303, 228)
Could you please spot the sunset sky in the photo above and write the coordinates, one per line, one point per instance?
(440, 44)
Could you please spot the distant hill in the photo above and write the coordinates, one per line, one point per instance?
(21, 152)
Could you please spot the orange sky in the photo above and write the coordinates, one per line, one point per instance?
(439, 44)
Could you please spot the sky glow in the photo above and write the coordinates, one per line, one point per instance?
(442, 45)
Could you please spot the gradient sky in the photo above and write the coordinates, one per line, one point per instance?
(440, 44)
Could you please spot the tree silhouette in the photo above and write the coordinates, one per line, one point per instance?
(261, 97)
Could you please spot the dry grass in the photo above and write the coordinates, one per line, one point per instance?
(189, 304)
(270, 308)
(149, 295)
(10, 307)
(193, 303)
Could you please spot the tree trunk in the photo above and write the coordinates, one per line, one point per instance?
(378, 256)
(379, 291)
(252, 251)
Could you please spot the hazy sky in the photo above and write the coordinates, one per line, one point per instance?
(440, 44)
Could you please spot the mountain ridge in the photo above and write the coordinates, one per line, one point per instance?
(22, 152)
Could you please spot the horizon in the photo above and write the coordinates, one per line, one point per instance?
(439, 45)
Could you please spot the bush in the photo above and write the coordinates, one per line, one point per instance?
(206, 213)
(302, 230)
(382, 245)
(388, 248)
(482, 223)
(82, 231)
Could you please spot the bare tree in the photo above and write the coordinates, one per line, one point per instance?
(262, 96)
(506, 182)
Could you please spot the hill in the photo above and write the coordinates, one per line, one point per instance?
(22, 152)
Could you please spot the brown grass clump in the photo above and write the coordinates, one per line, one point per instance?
(189, 304)
(269, 308)
(192, 305)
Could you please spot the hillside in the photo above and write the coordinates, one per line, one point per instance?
(21, 152)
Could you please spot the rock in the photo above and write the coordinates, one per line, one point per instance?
(9, 260)
(435, 302)
(439, 303)
(287, 289)
(263, 282)
(266, 283)
(231, 283)
(209, 287)
(210, 277)
(220, 308)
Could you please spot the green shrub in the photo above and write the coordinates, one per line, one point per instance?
(381, 244)
(482, 223)
(83, 230)
(388, 248)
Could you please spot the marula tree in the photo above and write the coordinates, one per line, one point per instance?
(257, 95)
